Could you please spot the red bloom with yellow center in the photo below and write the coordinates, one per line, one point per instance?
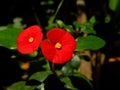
(59, 47)
(29, 39)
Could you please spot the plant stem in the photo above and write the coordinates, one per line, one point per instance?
(36, 17)
(52, 67)
(58, 8)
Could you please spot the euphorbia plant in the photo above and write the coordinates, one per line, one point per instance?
(58, 46)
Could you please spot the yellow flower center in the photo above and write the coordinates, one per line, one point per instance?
(31, 39)
(58, 45)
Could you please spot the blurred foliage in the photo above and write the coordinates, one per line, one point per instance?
(113, 4)
(9, 33)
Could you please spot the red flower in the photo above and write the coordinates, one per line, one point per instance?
(59, 47)
(29, 39)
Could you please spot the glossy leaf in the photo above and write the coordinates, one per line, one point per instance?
(88, 28)
(84, 77)
(67, 69)
(8, 37)
(75, 61)
(60, 23)
(78, 77)
(76, 24)
(68, 83)
(41, 86)
(90, 42)
(69, 28)
(40, 76)
(21, 86)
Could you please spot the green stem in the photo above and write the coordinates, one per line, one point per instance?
(58, 8)
(52, 67)
(36, 17)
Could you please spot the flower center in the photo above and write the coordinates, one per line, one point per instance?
(31, 39)
(58, 45)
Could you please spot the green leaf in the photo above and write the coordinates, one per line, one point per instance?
(90, 42)
(17, 86)
(34, 54)
(40, 76)
(107, 19)
(88, 28)
(51, 25)
(68, 83)
(67, 69)
(41, 86)
(8, 37)
(76, 24)
(17, 23)
(69, 28)
(113, 4)
(60, 23)
(20, 86)
(92, 20)
(75, 61)
(83, 77)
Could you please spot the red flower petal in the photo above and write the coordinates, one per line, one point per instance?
(66, 46)
(68, 41)
(60, 35)
(48, 49)
(62, 56)
(54, 55)
(55, 34)
(26, 45)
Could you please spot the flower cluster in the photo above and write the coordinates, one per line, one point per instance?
(58, 48)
